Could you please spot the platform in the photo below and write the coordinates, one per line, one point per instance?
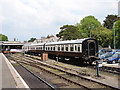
(9, 77)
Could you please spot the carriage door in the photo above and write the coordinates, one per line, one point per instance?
(91, 48)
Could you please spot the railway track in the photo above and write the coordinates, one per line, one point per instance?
(104, 68)
(61, 73)
(40, 83)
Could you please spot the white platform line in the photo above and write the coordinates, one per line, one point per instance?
(26, 86)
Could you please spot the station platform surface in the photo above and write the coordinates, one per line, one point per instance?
(9, 78)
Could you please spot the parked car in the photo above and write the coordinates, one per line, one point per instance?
(119, 61)
(118, 50)
(115, 51)
(106, 55)
(114, 58)
(103, 51)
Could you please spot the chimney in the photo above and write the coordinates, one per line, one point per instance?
(14, 39)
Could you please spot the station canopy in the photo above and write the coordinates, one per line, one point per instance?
(9, 43)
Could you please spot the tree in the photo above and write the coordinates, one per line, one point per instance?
(48, 36)
(103, 35)
(88, 24)
(117, 34)
(109, 20)
(3, 37)
(69, 32)
(31, 39)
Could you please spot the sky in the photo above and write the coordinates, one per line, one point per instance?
(24, 19)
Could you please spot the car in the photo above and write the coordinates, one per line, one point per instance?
(114, 58)
(119, 61)
(115, 51)
(118, 50)
(106, 55)
(103, 52)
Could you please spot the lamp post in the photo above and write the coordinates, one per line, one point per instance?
(114, 33)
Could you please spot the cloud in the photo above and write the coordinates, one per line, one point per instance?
(24, 19)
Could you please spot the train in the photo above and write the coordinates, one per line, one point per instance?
(85, 49)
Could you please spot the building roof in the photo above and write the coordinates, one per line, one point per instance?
(10, 43)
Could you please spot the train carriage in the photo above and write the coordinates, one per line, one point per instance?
(84, 49)
(34, 48)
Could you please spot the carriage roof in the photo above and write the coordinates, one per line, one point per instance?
(34, 44)
(67, 42)
(59, 43)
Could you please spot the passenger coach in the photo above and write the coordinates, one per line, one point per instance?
(83, 49)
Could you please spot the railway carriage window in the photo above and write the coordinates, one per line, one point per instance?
(58, 48)
(75, 47)
(66, 47)
(48, 48)
(71, 48)
(51, 48)
(62, 48)
(78, 48)
(54, 48)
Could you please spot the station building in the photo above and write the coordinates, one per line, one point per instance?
(7, 45)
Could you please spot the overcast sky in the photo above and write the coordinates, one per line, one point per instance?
(23, 19)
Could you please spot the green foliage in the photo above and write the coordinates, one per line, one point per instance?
(109, 20)
(117, 33)
(69, 32)
(48, 36)
(31, 39)
(103, 35)
(87, 24)
(3, 38)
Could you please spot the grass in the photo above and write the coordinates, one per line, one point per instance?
(15, 64)
(15, 83)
